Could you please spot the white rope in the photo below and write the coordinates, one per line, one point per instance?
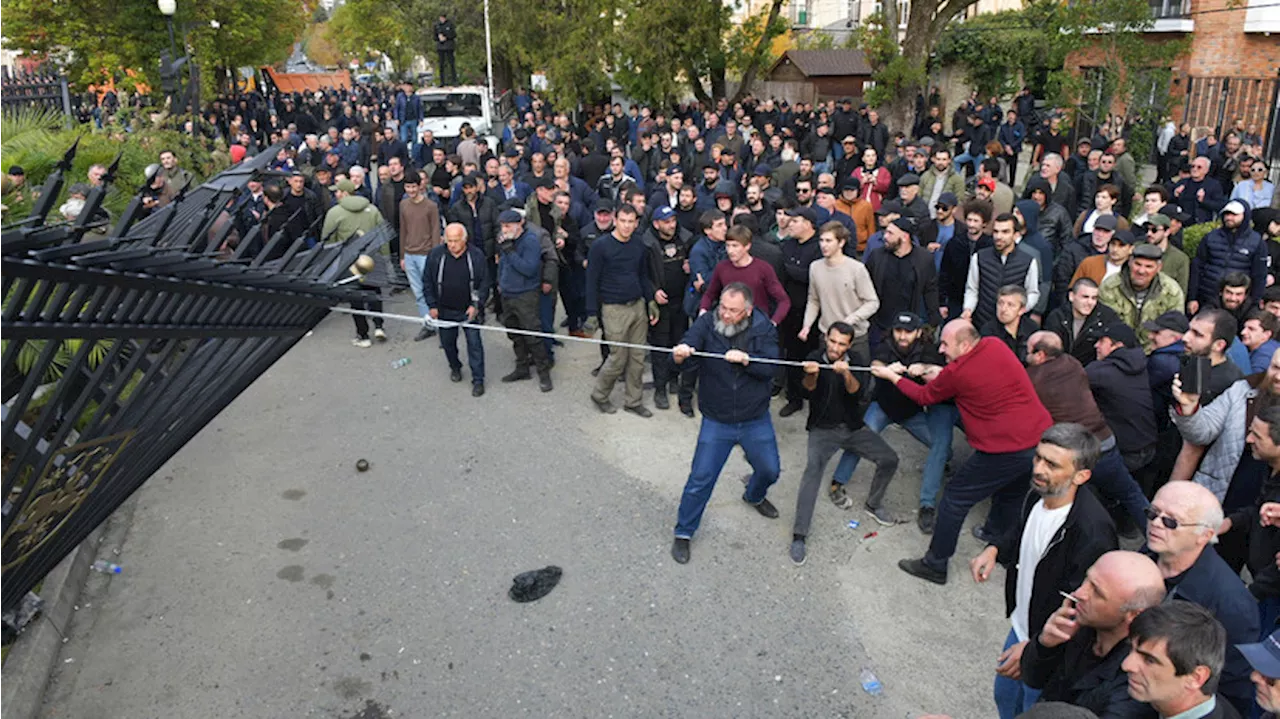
(438, 324)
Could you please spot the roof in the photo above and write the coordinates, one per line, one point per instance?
(291, 82)
(826, 63)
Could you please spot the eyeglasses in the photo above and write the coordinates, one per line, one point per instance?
(1169, 522)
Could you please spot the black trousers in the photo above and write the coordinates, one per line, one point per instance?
(372, 304)
(793, 348)
(521, 312)
(448, 74)
(670, 329)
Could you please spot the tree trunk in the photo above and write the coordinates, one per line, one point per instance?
(757, 56)
(924, 25)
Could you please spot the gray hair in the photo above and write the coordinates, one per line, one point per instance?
(740, 288)
(1055, 157)
(1010, 290)
(1211, 516)
(1080, 442)
(1193, 638)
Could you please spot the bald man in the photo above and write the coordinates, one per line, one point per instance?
(1077, 656)
(455, 284)
(1183, 520)
(1003, 421)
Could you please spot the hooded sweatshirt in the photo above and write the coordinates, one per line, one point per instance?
(1122, 391)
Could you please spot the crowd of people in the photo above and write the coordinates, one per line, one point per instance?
(1110, 384)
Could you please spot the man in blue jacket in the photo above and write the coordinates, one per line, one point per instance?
(519, 281)
(733, 394)
(1233, 247)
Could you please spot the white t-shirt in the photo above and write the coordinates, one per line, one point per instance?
(1042, 525)
(1111, 269)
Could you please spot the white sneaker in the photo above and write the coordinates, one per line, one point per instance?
(362, 342)
(379, 335)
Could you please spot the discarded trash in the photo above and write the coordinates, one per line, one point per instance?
(870, 684)
(106, 567)
(362, 465)
(397, 364)
(854, 524)
(535, 584)
(870, 535)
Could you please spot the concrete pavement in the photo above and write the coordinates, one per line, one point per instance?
(265, 577)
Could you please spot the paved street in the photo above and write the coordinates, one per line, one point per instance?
(265, 577)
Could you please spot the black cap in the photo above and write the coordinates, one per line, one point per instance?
(905, 224)
(805, 212)
(910, 178)
(546, 181)
(605, 205)
(509, 216)
(17, 170)
(907, 321)
(512, 152)
(1171, 320)
(849, 183)
(1173, 212)
(1124, 236)
(1122, 333)
(888, 207)
(1105, 222)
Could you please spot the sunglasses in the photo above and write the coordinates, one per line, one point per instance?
(1153, 514)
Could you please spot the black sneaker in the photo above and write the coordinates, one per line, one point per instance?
(927, 517)
(516, 376)
(424, 334)
(455, 375)
(792, 407)
(917, 568)
(686, 408)
(982, 535)
(477, 389)
(660, 400)
(673, 386)
(766, 509)
(797, 552)
(680, 550)
(882, 515)
(544, 382)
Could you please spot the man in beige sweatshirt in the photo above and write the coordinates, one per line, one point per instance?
(419, 233)
(840, 290)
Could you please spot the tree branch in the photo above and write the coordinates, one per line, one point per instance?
(749, 76)
(945, 12)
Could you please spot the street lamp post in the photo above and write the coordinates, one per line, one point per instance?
(168, 8)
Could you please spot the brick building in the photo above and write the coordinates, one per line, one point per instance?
(1232, 69)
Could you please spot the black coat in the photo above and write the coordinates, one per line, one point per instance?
(1087, 534)
(1061, 322)
(1068, 673)
(486, 213)
(450, 35)
(1123, 393)
(926, 285)
(955, 266)
(1264, 542)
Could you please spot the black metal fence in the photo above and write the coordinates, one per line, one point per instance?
(20, 90)
(121, 343)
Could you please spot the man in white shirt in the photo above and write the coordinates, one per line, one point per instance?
(1063, 533)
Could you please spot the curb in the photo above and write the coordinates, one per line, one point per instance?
(34, 655)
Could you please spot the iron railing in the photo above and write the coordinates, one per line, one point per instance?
(121, 343)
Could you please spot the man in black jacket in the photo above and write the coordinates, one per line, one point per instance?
(455, 284)
(1123, 392)
(904, 277)
(1077, 656)
(954, 269)
(479, 215)
(446, 36)
(1081, 320)
(1062, 533)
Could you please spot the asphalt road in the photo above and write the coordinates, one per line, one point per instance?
(265, 577)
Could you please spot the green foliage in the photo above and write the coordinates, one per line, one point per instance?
(1193, 235)
(680, 40)
(94, 41)
(364, 28)
(996, 48)
(893, 71)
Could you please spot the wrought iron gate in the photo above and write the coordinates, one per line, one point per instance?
(120, 344)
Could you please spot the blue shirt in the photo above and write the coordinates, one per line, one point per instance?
(617, 272)
(1260, 358)
(945, 233)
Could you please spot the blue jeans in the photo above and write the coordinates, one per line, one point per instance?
(1012, 696)
(409, 132)
(415, 266)
(1005, 478)
(475, 350)
(964, 157)
(715, 441)
(936, 421)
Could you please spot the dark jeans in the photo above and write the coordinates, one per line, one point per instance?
(671, 326)
(547, 320)
(1005, 478)
(793, 348)
(521, 312)
(1113, 483)
(475, 348)
(447, 73)
(373, 304)
(573, 293)
(823, 444)
(715, 441)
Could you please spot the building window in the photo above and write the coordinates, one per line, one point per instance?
(1168, 8)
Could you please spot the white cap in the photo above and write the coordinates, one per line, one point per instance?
(1235, 207)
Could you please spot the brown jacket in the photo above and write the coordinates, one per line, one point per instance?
(1063, 388)
(864, 218)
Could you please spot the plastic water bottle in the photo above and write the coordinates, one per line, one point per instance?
(106, 567)
(870, 684)
(397, 364)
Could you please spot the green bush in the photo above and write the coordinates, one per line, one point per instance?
(1192, 235)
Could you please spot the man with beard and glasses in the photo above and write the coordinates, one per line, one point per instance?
(836, 422)
(1063, 532)
(733, 394)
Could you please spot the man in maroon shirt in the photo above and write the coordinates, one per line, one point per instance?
(1003, 420)
(754, 273)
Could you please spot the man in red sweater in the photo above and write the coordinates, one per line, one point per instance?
(756, 274)
(1003, 419)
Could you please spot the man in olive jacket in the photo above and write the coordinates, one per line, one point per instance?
(1141, 274)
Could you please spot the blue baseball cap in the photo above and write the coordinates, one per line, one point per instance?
(1264, 656)
(663, 213)
(509, 216)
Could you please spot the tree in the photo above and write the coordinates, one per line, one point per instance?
(97, 41)
(370, 27)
